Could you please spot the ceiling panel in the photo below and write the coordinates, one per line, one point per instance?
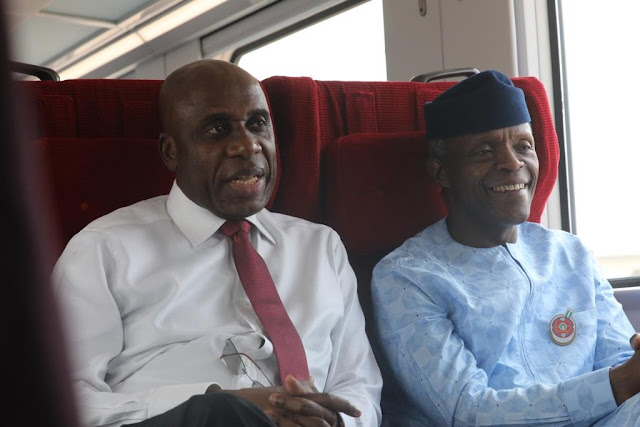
(38, 39)
(19, 10)
(110, 10)
(63, 34)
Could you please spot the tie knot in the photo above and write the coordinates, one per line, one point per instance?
(230, 228)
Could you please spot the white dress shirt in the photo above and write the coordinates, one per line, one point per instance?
(151, 295)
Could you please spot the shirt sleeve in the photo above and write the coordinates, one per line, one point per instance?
(442, 379)
(83, 277)
(354, 374)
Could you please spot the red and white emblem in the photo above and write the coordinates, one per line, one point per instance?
(562, 328)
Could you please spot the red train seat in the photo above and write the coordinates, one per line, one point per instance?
(352, 154)
(99, 143)
(356, 160)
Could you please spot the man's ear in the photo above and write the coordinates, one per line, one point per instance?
(438, 172)
(168, 151)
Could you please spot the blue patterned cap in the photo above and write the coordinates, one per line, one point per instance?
(482, 102)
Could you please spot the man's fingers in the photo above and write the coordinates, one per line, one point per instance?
(315, 404)
(334, 403)
(301, 406)
(303, 399)
(298, 387)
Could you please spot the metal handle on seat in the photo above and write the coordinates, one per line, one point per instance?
(43, 73)
(436, 75)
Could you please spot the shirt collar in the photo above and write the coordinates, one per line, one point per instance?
(197, 223)
(513, 248)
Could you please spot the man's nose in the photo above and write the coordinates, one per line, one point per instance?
(244, 143)
(509, 160)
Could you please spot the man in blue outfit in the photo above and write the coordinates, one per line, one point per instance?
(484, 318)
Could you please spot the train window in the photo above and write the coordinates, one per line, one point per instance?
(346, 46)
(601, 108)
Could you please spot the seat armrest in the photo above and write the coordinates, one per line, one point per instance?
(630, 300)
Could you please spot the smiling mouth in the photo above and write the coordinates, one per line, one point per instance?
(509, 187)
(247, 176)
(246, 180)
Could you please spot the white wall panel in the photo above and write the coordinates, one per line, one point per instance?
(453, 34)
(151, 69)
(182, 55)
(479, 34)
(413, 42)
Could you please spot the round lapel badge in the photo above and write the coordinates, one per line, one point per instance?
(562, 328)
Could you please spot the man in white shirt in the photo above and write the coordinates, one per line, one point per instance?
(162, 331)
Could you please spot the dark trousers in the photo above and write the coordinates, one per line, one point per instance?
(211, 410)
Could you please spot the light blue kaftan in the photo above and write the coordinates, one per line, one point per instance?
(465, 333)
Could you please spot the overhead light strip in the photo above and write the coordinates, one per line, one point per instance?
(174, 19)
(81, 20)
(139, 36)
(102, 57)
(123, 28)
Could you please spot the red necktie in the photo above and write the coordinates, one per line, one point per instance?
(266, 302)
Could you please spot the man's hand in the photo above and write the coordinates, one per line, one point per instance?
(635, 341)
(304, 405)
(259, 396)
(625, 378)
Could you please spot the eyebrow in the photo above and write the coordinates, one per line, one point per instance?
(226, 116)
(261, 111)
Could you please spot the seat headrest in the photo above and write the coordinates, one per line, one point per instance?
(378, 191)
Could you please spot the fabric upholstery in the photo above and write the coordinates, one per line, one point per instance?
(96, 107)
(99, 140)
(90, 177)
(547, 148)
(351, 154)
(379, 192)
(355, 156)
(309, 115)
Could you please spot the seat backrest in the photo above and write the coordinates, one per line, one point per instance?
(95, 108)
(99, 141)
(352, 154)
(356, 159)
(630, 300)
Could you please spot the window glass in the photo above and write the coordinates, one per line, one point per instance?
(600, 49)
(347, 46)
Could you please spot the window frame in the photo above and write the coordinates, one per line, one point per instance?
(293, 28)
(561, 112)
